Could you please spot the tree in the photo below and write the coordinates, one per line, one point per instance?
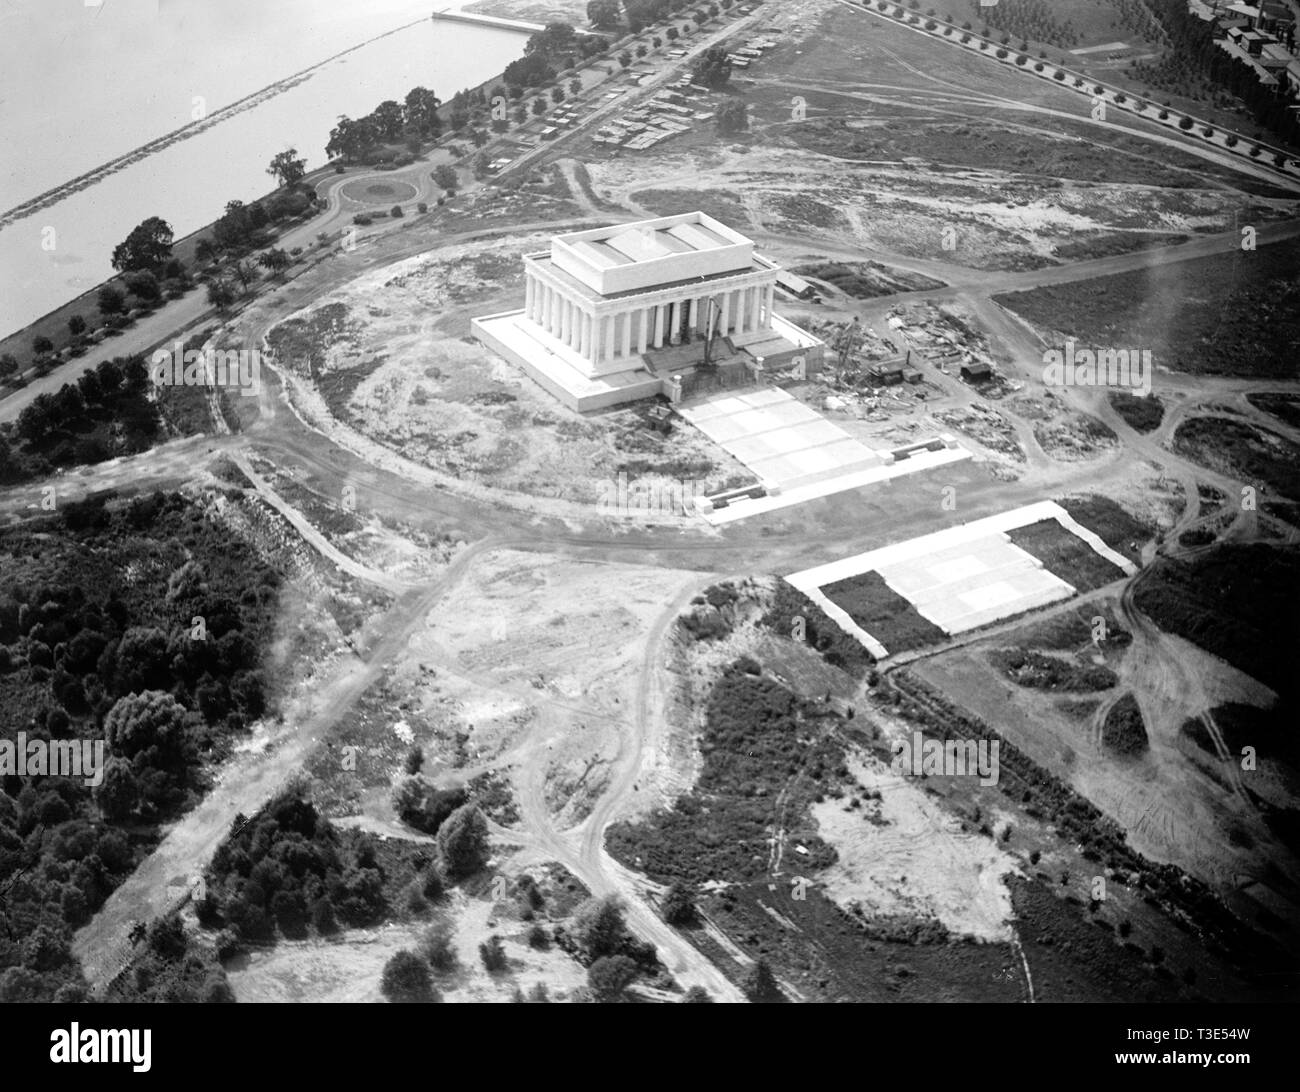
(245, 272)
(697, 995)
(8, 365)
(625, 58)
(147, 247)
(713, 69)
(287, 167)
(143, 285)
(493, 954)
(575, 87)
(609, 976)
(221, 293)
(553, 41)
(42, 345)
(232, 230)
(118, 794)
(421, 112)
(437, 948)
(351, 139)
(406, 979)
(111, 300)
(463, 842)
(604, 14)
(275, 259)
(150, 727)
(759, 984)
(76, 325)
(557, 94)
(539, 107)
(599, 928)
(388, 118)
(679, 904)
(445, 177)
(733, 117)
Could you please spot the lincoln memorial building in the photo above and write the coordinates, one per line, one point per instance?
(626, 312)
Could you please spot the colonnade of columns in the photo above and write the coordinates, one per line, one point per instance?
(623, 335)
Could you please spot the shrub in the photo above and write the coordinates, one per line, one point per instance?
(437, 949)
(759, 984)
(609, 976)
(493, 954)
(406, 979)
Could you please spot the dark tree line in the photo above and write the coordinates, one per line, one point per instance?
(98, 641)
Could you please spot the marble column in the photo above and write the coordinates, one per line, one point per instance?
(627, 333)
(644, 333)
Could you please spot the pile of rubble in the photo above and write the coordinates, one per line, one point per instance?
(987, 427)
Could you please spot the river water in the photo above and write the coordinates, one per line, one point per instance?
(84, 83)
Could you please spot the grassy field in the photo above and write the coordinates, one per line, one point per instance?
(1065, 554)
(1231, 314)
(1074, 629)
(1025, 667)
(1285, 407)
(866, 280)
(1123, 731)
(1054, 148)
(1227, 601)
(882, 612)
(1242, 451)
(1141, 414)
(1116, 527)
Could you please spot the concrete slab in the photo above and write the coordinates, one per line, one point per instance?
(966, 576)
(854, 479)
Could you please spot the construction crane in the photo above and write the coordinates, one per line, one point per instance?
(847, 340)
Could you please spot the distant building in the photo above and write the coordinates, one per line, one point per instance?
(797, 287)
(885, 373)
(976, 371)
(620, 313)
